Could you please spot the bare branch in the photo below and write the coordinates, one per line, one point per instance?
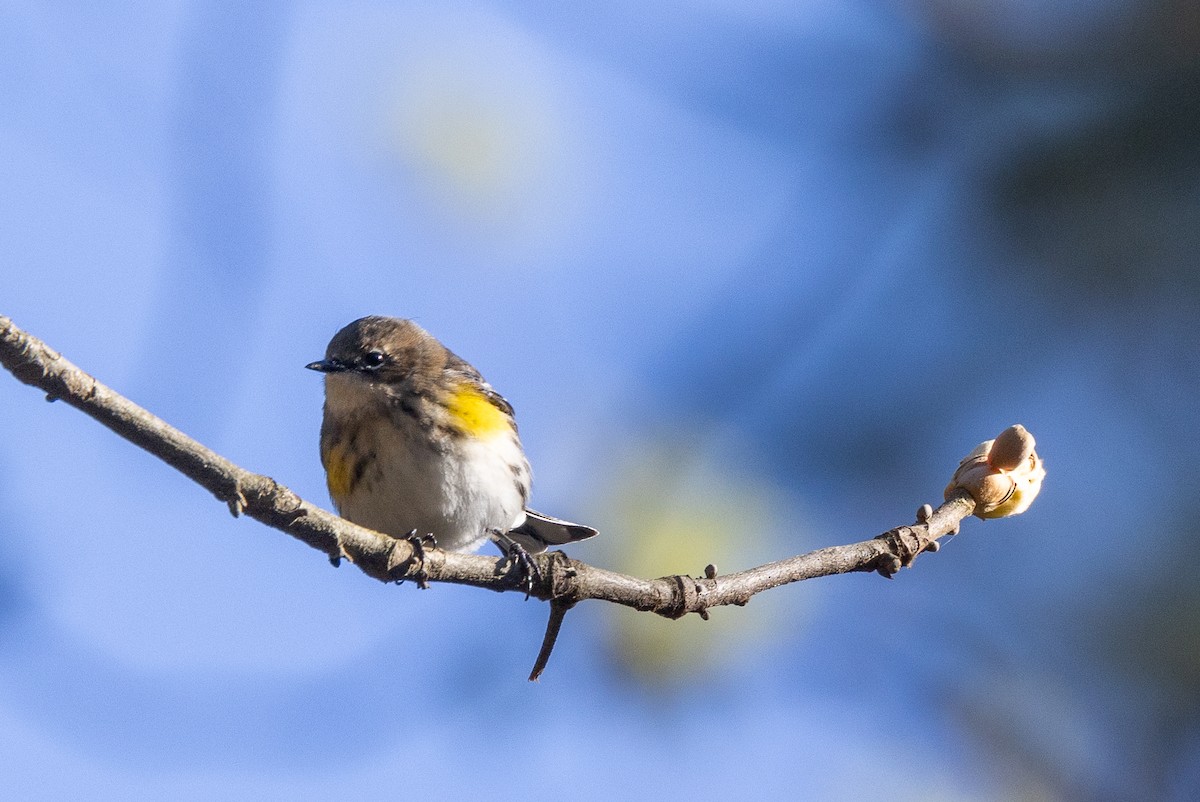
(562, 581)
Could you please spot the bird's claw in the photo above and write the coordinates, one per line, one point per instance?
(419, 544)
(530, 573)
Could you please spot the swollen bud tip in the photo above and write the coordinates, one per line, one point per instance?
(1011, 449)
(1003, 475)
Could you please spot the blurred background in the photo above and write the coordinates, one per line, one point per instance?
(755, 275)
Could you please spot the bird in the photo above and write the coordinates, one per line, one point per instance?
(416, 444)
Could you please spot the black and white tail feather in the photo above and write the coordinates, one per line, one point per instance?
(539, 532)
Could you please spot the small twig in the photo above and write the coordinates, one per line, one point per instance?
(391, 559)
(558, 611)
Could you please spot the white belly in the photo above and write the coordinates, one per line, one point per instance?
(459, 496)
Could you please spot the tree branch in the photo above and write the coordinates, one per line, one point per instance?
(561, 580)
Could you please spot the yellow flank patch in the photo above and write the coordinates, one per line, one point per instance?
(473, 413)
(339, 468)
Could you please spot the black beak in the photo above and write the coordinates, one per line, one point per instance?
(327, 366)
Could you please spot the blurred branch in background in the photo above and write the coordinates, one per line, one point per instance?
(988, 483)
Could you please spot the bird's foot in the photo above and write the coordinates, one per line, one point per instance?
(420, 543)
(520, 556)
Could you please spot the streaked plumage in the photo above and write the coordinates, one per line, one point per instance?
(414, 438)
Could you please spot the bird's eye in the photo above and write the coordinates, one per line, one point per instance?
(373, 359)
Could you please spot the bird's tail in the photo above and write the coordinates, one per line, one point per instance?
(539, 532)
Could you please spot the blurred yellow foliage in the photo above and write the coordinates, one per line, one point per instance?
(674, 510)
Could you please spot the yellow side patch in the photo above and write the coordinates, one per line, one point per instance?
(473, 413)
(338, 470)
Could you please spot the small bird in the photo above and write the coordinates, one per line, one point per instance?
(415, 443)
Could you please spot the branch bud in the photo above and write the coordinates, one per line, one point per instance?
(1002, 475)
